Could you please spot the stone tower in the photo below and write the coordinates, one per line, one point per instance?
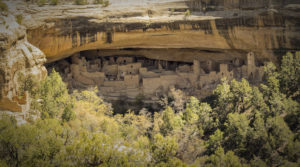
(251, 67)
(196, 67)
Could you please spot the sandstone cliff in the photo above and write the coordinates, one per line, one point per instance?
(219, 26)
(19, 60)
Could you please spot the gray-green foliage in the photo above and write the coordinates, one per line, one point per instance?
(41, 2)
(215, 141)
(52, 97)
(171, 121)
(163, 148)
(27, 84)
(220, 159)
(30, 145)
(54, 2)
(80, 2)
(19, 18)
(290, 74)
(104, 3)
(237, 127)
(3, 6)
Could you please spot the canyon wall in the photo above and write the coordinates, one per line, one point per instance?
(265, 28)
(19, 61)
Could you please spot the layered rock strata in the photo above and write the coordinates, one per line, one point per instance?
(19, 61)
(265, 27)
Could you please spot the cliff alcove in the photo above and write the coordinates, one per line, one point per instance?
(184, 33)
(127, 74)
(150, 83)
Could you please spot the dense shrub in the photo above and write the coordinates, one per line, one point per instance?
(19, 18)
(51, 98)
(98, 1)
(41, 2)
(187, 13)
(54, 2)
(3, 6)
(104, 3)
(80, 2)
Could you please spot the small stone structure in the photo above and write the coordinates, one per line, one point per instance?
(129, 76)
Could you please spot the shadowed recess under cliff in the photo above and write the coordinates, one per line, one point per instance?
(264, 30)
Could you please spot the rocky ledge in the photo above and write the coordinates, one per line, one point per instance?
(265, 27)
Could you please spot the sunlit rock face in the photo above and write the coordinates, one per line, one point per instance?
(265, 27)
(19, 60)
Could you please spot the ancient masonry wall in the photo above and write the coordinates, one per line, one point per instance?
(128, 76)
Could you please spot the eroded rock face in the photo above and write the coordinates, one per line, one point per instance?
(264, 27)
(19, 60)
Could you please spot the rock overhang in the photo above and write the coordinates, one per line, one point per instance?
(158, 26)
(209, 34)
(60, 31)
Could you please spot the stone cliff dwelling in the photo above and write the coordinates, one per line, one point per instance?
(146, 47)
(130, 75)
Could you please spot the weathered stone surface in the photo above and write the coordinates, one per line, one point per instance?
(19, 59)
(263, 26)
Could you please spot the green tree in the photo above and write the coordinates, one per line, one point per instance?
(54, 2)
(215, 141)
(258, 101)
(232, 160)
(52, 97)
(280, 137)
(241, 95)
(223, 100)
(178, 99)
(256, 162)
(271, 91)
(170, 121)
(206, 119)
(292, 117)
(41, 2)
(46, 144)
(237, 127)
(30, 144)
(190, 114)
(104, 3)
(220, 159)
(68, 113)
(90, 150)
(163, 148)
(290, 75)
(80, 2)
(3, 6)
(257, 138)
